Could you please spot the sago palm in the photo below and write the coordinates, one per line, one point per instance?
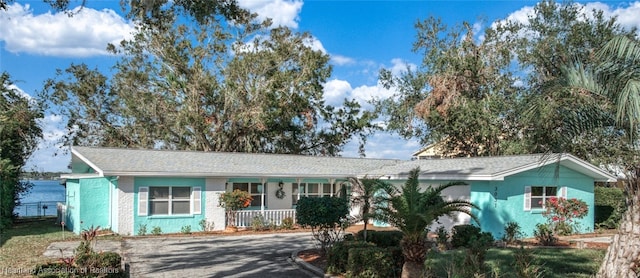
(616, 79)
(412, 211)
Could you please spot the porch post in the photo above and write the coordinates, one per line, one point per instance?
(331, 184)
(264, 187)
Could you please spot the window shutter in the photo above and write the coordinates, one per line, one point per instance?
(196, 196)
(143, 201)
(527, 198)
(563, 192)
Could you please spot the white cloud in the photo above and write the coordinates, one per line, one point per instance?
(400, 66)
(383, 145)
(627, 15)
(342, 60)
(315, 44)
(49, 155)
(84, 34)
(282, 12)
(335, 91)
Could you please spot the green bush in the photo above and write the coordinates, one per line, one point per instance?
(156, 231)
(370, 262)
(338, 255)
(545, 234)
(142, 229)
(186, 229)
(287, 223)
(325, 216)
(381, 238)
(259, 223)
(462, 235)
(512, 233)
(609, 206)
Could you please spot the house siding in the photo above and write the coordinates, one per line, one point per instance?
(213, 212)
(72, 218)
(126, 201)
(501, 202)
(168, 223)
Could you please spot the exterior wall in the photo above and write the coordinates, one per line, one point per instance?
(95, 203)
(503, 201)
(125, 205)
(168, 223)
(213, 212)
(72, 196)
(88, 203)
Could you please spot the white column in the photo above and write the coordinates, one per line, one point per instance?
(264, 187)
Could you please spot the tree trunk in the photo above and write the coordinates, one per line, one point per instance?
(411, 269)
(623, 256)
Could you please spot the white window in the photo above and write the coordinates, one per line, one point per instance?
(313, 190)
(255, 189)
(535, 197)
(169, 200)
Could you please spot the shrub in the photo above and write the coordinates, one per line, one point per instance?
(142, 229)
(259, 223)
(156, 231)
(360, 262)
(475, 255)
(287, 223)
(512, 233)
(206, 226)
(462, 235)
(325, 216)
(561, 212)
(525, 265)
(443, 238)
(609, 206)
(338, 255)
(186, 229)
(381, 238)
(545, 234)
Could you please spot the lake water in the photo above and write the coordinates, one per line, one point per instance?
(42, 198)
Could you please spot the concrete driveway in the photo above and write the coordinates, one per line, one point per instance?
(261, 256)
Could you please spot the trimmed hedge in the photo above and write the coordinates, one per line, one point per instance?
(338, 255)
(370, 262)
(381, 238)
(463, 234)
(609, 207)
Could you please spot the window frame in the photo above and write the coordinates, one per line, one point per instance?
(170, 200)
(257, 196)
(560, 191)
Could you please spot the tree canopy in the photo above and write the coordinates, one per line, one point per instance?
(189, 80)
(506, 93)
(19, 137)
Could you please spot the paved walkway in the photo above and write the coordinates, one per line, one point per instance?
(261, 256)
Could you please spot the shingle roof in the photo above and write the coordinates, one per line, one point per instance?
(114, 161)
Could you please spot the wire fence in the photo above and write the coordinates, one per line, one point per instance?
(37, 209)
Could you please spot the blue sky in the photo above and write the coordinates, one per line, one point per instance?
(360, 36)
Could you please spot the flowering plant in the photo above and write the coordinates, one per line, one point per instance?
(233, 202)
(561, 213)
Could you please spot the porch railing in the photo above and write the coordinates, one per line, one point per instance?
(244, 218)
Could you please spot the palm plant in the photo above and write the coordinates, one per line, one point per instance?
(412, 211)
(615, 78)
(363, 192)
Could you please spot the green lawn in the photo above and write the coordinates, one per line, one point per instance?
(21, 246)
(556, 262)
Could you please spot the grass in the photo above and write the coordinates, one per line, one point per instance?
(21, 246)
(556, 262)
